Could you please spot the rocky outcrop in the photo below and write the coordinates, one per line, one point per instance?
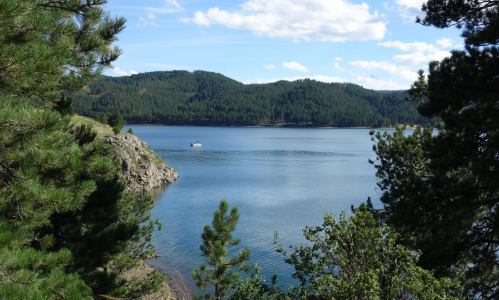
(141, 167)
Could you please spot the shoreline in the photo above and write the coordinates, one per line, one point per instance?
(276, 126)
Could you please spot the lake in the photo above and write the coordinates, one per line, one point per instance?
(280, 178)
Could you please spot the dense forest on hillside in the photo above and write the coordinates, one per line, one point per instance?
(206, 98)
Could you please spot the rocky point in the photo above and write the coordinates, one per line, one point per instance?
(140, 166)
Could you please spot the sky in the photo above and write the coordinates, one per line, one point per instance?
(374, 44)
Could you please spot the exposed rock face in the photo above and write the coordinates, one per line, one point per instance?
(141, 167)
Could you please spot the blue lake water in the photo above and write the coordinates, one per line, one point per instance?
(280, 178)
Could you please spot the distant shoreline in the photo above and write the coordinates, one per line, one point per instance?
(274, 126)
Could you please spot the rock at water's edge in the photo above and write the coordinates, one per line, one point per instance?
(140, 166)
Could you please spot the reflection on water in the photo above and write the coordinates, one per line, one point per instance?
(157, 193)
(280, 178)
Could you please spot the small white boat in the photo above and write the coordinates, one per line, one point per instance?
(196, 144)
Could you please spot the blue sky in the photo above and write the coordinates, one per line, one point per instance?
(374, 44)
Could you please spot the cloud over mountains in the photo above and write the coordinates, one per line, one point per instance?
(295, 66)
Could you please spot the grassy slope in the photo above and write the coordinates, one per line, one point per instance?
(105, 131)
(102, 130)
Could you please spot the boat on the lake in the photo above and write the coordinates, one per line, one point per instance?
(196, 144)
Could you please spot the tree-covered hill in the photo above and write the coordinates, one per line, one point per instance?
(206, 98)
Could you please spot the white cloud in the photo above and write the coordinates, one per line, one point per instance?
(444, 43)
(408, 9)
(270, 67)
(327, 79)
(404, 66)
(419, 58)
(387, 6)
(337, 66)
(412, 5)
(377, 84)
(318, 20)
(338, 59)
(399, 71)
(174, 4)
(423, 53)
(295, 66)
(416, 46)
(360, 79)
(149, 21)
(119, 72)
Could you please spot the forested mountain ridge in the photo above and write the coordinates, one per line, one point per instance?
(206, 98)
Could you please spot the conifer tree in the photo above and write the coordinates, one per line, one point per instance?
(64, 214)
(440, 191)
(116, 121)
(47, 46)
(65, 106)
(40, 181)
(218, 271)
(102, 118)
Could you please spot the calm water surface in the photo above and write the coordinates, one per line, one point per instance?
(280, 178)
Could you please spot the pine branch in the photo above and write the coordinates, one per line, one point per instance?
(57, 5)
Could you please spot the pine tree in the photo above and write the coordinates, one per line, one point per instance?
(65, 106)
(47, 46)
(116, 121)
(102, 118)
(64, 215)
(440, 191)
(40, 181)
(216, 241)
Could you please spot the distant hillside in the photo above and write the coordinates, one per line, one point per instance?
(206, 98)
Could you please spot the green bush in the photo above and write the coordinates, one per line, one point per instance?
(116, 120)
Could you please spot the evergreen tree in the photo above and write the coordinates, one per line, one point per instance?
(206, 98)
(116, 121)
(36, 187)
(102, 118)
(216, 241)
(65, 106)
(67, 228)
(47, 46)
(440, 191)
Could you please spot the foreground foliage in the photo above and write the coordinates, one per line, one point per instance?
(50, 45)
(441, 190)
(218, 272)
(355, 258)
(68, 229)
